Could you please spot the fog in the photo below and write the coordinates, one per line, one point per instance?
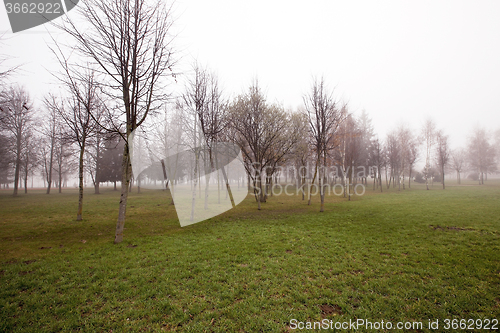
(401, 61)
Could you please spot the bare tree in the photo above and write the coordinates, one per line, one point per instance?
(413, 155)
(496, 136)
(458, 159)
(324, 117)
(348, 152)
(442, 153)
(203, 99)
(30, 158)
(62, 160)
(6, 160)
(404, 139)
(300, 152)
(481, 153)
(392, 148)
(130, 43)
(366, 141)
(428, 134)
(15, 119)
(408, 150)
(262, 131)
(52, 131)
(377, 161)
(81, 114)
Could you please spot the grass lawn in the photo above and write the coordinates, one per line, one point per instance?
(397, 256)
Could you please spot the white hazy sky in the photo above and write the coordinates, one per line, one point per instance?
(401, 61)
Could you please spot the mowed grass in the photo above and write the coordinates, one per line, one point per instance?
(410, 255)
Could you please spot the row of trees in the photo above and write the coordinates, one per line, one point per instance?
(118, 84)
(75, 133)
(42, 143)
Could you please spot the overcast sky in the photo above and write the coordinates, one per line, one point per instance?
(401, 61)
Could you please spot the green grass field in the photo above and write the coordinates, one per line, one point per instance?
(397, 256)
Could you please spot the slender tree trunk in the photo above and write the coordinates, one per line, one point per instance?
(322, 188)
(409, 179)
(380, 180)
(228, 187)
(51, 160)
(271, 184)
(97, 164)
(311, 184)
(303, 184)
(426, 179)
(386, 182)
(80, 184)
(390, 179)
(443, 178)
(375, 180)
(126, 175)
(259, 181)
(18, 162)
(195, 178)
(26, 176)
(207, 176)
(60, 178)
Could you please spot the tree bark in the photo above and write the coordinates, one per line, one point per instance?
(97, 164)
(18, 162)
(26, 175)
(126, 175)
(51, 161)
(311, 184)
(322, 188)
(80, 184)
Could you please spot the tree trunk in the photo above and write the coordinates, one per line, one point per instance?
(409, 179)
(322, 185)
(386, 182)
(195, 179)
(228, 187)
(426, 179)
(51, 161)
(442, 172)
(80, 184)
(380, 180)
(257, 195)
(303, 184)
(126, 175)
(18, 162)
(60, 178)
(26, 177)
(311, 184)
(97, 164)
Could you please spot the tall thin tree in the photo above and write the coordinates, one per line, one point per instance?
(16, 111)
(130, 42)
